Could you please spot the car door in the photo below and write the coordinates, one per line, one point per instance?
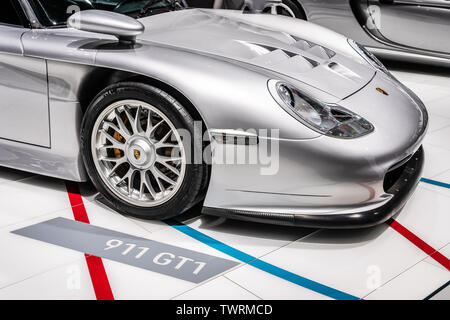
(24, 109)
(420, 24)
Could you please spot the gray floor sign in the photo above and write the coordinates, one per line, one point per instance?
(156, 256)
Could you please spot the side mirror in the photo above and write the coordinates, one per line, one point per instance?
(125, 28)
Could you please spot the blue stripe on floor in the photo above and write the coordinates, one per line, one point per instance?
(436, 183)
(261, 265)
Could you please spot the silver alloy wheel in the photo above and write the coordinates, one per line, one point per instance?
(138, 153)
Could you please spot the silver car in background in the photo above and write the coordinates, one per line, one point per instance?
(409, 30)
(145, 99)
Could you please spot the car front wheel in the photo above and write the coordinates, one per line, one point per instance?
(135, 155)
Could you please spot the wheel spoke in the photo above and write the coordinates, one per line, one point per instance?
(137, 120)
(126, 176)
(113, 126)
(153, 129)
(124, 132)
(104, 147)
(274, 10)
(131, 120)
(142, 185)
(146, 181)
(170, 167)
(130, 182)
(110, 159)
(162, 143)
(165, 159)
(166, 145)
(155, 175)
(162, 176)
(116, 143)
(149, 123)
(113, 169)
(167, 136)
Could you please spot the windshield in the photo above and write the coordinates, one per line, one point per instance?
(56, 12)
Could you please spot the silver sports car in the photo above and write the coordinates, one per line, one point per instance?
(264, 117)
(410, 30)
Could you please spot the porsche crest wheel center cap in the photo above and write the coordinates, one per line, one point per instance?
(137, 154)
(141, 153)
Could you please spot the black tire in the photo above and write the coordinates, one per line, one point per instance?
(296, 9)
(190, 191)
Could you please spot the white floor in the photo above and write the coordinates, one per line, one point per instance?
(378, 263)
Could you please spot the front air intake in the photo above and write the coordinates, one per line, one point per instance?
(394, 173)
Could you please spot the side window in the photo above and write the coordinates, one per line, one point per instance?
(9, 14)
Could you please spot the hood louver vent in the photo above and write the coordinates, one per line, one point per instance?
(305, 45)
(313, 48)
(282, 58)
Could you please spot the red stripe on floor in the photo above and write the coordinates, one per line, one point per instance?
(99, 278)
(95, 265)
(422, 245)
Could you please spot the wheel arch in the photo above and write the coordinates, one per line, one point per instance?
(100, 78)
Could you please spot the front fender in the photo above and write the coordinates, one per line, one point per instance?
(227, 95)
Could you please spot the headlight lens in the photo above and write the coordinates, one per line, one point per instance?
(368, 56)
(331, 120)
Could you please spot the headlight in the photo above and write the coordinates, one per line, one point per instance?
(328, 119)
(368, 56)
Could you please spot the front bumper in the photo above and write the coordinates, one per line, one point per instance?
(401, 181)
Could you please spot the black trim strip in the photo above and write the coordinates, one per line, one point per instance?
(283, 194)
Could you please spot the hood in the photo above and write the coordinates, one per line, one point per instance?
(233, 38)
